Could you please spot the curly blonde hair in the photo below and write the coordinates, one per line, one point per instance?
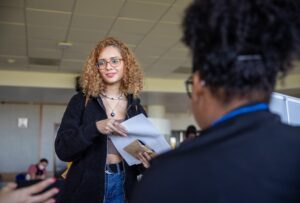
(91, 81)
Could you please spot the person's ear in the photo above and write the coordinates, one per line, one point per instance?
(198, 86)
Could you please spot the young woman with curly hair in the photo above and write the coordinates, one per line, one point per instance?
(245, 153)
(110, 83)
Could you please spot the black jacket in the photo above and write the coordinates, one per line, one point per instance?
(79, 141)
(249, 158)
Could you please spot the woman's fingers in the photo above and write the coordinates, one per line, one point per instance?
(147, 156)
(50, 201)
(116, 128)
(40, 186)
(102, 126)
(119, 125)
(9, 187)
(144, 159)
(111, 126)
(119, 129)
(46, 196)
(28, 194)
(108, 130)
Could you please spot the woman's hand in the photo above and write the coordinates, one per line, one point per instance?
(144, 157)
(111, 126)
(9, 194)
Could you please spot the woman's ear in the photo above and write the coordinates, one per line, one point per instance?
(198, 86)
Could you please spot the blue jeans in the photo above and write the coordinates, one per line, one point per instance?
(114, 188)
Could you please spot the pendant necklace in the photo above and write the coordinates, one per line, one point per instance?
(113, 109)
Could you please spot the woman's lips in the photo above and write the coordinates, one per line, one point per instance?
(110, 75)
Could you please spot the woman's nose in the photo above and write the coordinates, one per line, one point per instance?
(108, 66)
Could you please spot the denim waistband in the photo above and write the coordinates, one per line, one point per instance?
(114, 168)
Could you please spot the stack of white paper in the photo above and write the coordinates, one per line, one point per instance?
(139, 127)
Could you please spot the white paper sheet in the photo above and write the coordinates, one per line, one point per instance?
(139, 127)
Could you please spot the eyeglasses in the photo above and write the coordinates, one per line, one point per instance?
(113, 61)
(188, 86)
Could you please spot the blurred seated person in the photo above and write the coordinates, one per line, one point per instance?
(38, 171)
(22, 176)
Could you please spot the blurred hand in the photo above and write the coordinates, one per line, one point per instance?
(111, 126)
(144, 157)
(9, 194)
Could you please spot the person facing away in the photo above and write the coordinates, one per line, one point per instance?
(110, 83)
(245, 153)
(38, 171)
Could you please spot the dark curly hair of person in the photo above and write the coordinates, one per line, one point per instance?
(240, 47)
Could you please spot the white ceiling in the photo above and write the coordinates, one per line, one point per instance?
(151, 28)
(33, 28)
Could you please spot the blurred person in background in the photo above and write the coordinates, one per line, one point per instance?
(191, 132)
(38, 171)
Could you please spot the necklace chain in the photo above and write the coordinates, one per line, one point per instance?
(120, 97)
(112, 109)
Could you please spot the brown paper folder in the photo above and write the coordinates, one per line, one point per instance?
(137, 147)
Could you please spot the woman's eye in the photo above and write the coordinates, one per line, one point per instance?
(115, 61)
(101, 63)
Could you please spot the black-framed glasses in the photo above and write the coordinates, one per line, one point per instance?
(188, 86)
(113, 61)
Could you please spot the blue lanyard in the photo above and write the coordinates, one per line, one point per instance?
(242, 110)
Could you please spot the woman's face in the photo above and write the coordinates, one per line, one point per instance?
(111, 65)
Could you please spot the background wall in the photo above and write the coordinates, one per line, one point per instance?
(23, 146)
(19, 146)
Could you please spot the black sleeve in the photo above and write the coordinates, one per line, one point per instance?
(73, 138)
